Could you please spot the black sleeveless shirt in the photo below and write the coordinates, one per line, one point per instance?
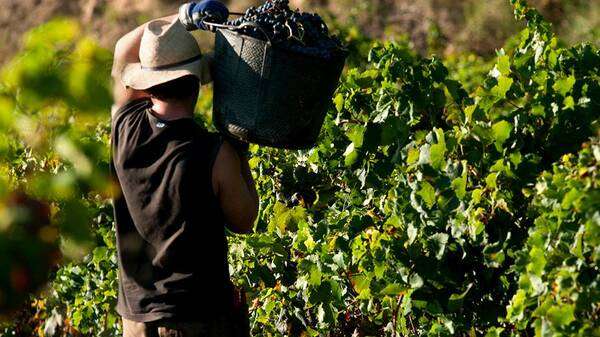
(172, 249)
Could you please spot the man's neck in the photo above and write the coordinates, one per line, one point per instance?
(169, 110)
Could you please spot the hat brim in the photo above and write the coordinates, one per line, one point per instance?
(140, 78)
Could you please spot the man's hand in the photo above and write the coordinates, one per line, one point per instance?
(193, 14)
(234, 186)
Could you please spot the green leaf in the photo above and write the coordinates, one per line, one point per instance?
(415, 281)
(394, 129)
(393, 289)
(99, 254)
(494, 255)
(455, 301)
(494, 332)
(339, 102)
(367, 78)
(561, 315)
(76, 317)
(516, 158)
(7, 114)
(570, 198)
(438, 242)
(350, 155)
(537, 261)
(538, 110)
(469, 112)
(476, 196)
(315, 275)
(503, 86)
(413, 156)
(577, 246)
(436, 155)
(569, 103)
(456, 90)
(361, 285)
(503, 65)
(501, 132)
(459, 185)
(516, 307)
(564, 85)
(356, 134)
(491, 180)
(285, 218)
(379, 269)
(427, 192)
(438, 151)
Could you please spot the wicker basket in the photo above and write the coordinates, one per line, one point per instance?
(270, 96)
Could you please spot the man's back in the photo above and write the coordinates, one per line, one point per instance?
(170, 227)
(180, 186)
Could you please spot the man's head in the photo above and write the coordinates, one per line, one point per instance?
(170, 60)
(182, 90)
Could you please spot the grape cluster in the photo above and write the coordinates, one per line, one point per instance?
(297, 31)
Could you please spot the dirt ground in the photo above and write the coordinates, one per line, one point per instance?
(478, 26)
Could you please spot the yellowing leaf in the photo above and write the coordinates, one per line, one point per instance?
(413, 156)
(285, 218)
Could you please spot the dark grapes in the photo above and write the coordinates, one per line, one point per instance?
(297, 31)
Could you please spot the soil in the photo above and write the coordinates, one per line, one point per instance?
(471, 25)
(106, 20)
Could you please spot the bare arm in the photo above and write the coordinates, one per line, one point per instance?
(127, 51)
(247, 174)
(234, 186)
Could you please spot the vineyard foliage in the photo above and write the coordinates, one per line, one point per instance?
(53, 145)
(440, 200)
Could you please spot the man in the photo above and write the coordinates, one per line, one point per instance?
(179, 186)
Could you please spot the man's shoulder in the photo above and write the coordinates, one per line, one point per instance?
(124, 122)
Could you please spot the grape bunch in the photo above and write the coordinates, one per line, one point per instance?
(297, 31)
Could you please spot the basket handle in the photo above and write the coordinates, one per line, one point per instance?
(245, 24)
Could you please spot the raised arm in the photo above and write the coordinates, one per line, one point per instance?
(127, 51)
(234, 186)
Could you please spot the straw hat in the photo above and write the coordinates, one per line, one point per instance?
(167, 52)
